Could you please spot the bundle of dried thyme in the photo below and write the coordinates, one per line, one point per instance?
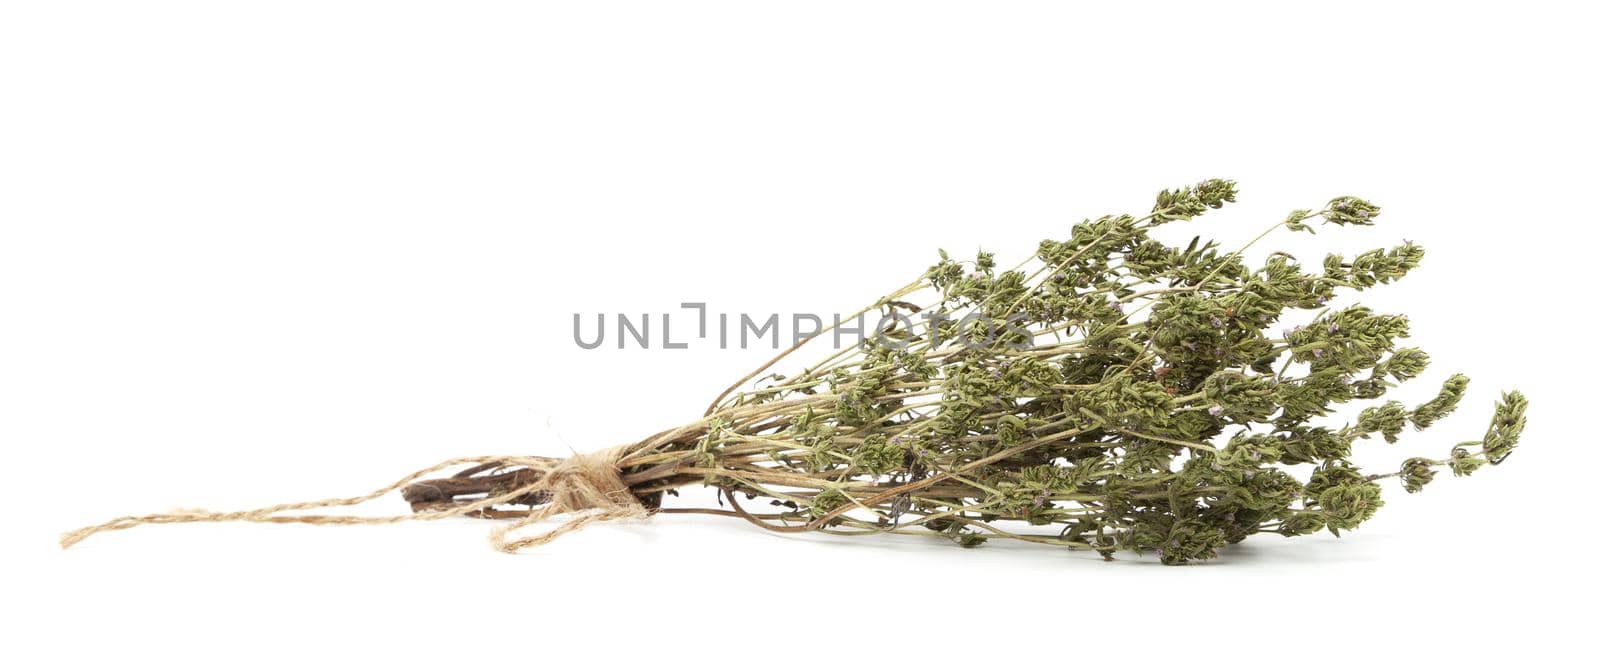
(1123, 395)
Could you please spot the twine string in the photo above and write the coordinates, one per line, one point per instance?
(586, 485)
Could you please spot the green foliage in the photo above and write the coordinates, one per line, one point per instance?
(1348, 505)
(1442, 405)
(1417, 472)
(876, 456)
(1190, 201)
(1506, 429)
(1164, 394)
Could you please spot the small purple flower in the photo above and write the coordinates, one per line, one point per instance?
(1216, 410)
(1333, 328)
(1216, 323)
(1316, 353)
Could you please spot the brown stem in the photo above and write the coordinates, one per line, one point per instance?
(479, 481)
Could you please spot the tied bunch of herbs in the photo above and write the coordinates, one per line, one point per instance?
(1136, 397)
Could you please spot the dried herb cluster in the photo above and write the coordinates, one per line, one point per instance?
(1146, 398)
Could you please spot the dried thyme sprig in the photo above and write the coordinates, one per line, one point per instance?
(1139, 397)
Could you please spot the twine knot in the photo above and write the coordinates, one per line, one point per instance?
(588, 485)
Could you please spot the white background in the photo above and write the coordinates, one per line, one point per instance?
(275, 251)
